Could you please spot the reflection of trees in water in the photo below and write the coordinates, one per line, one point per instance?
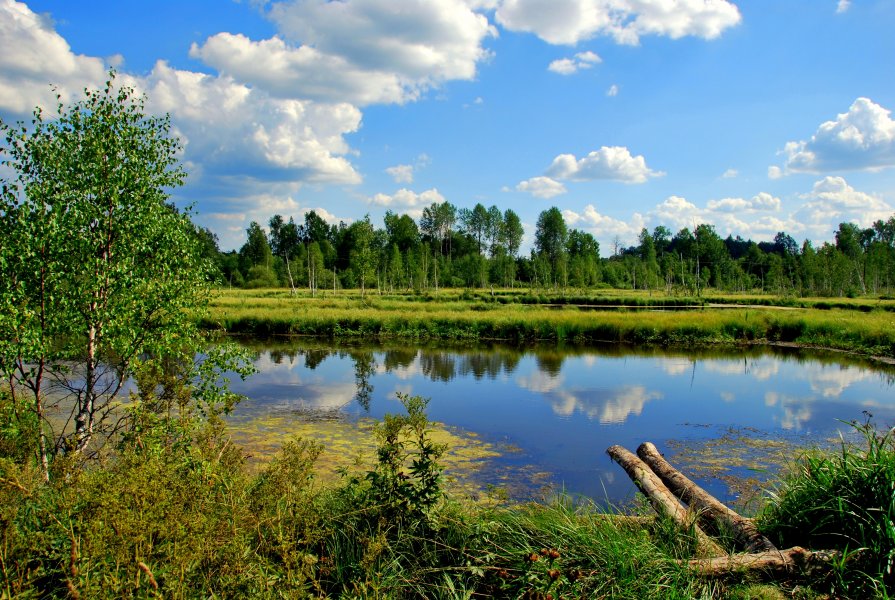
(398, 359)
(550, 362)
(445, 363)
(445, 366)
(481, 364)
(364, 367)
(438, 366)
(315, 356)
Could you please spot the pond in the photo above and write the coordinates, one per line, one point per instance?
(534, 419)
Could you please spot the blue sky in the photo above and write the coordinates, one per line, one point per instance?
(753, 116)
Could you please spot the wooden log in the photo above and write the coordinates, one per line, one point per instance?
(706, 506)
(772, 562)
(662, 500)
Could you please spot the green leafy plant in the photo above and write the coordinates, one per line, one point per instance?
(405, 484)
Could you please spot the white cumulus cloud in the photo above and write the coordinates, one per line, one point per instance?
(33, 56)
(832, 201)
(572, 21)
(407, 199)
(541, 187)
(401, 173)
(568, 66)
(365, 48)
(760, 202)
(603, 227)
(861, 139)
(609, 162)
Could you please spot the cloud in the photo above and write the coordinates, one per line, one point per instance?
(603, 227)
(761, 202)
(407, 199)
(568, 66)
(243, 204)
(401, 173)
(227, 127)
(364, 48)
(614, 163)
(832, 201)
(842, 6)
(612, 92)
(541, 187)
(300, 72)
(234, 129)
(752, 218)
(861, 139)
(730, 174)
(572, 21)
(32, 56)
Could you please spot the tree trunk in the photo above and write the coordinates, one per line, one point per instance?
(289, 273)
(662, 500)
(771, 562)
(706, 506)
(84, 418)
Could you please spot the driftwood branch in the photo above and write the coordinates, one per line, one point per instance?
(662, 500)
(706, 506)
(772, 562)
(652, 474)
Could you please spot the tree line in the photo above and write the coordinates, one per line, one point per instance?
(479, 248)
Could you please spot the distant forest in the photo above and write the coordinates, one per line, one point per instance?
(479, 248)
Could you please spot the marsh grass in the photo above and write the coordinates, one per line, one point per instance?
(453, 316)
(843, 500)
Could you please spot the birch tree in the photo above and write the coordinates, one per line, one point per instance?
(97, 269)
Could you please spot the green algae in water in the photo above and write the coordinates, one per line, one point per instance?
(745, 460)
(350, 445)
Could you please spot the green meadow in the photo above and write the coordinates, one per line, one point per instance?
(862, 325)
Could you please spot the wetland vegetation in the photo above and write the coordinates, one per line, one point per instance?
(119, 476)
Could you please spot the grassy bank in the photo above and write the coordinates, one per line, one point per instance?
(517, 317)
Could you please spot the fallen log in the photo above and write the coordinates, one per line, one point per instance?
(708, 508)
(662, 500)
(772, 562)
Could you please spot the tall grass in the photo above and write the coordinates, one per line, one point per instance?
(843, 501)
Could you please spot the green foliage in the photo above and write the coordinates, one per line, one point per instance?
(405, 486)
(96, 268)
(843, 501)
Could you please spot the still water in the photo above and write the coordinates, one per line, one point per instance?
(553, 412)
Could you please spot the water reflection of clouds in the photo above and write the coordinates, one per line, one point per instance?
(627, 401)
(676, 366)
(403, 372)
(609, 406)
(759, 370)
(831, 380)
(794, 412)
(283, 382)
